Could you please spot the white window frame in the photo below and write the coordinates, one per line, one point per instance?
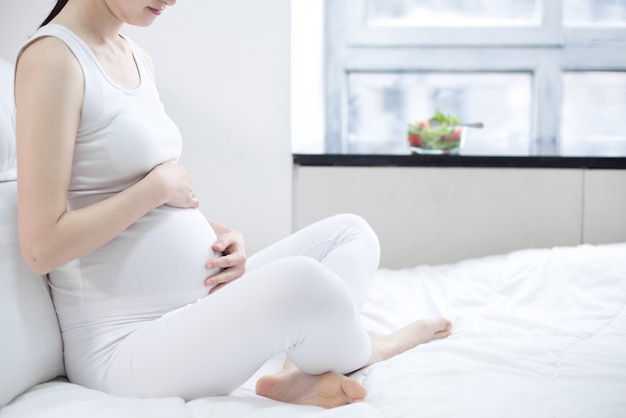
(545, 50)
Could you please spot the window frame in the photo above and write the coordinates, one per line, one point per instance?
(545, 50)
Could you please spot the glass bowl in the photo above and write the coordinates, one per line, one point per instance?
(436, 139)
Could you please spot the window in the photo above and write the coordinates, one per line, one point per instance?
(545, 77)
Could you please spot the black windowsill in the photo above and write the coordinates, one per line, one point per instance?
(414, 160)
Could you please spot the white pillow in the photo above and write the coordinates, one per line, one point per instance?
(30, 344)
(7, 123)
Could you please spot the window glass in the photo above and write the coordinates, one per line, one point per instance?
(453, 12)
(533, 71)
(381, 105)
(594, 106)
(594, 12)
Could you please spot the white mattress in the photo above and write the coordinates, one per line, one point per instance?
(538, 333)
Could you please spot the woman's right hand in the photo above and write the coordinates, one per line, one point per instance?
(176, 183)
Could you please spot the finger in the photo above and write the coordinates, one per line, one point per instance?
(218, 247)
(216, 288)
(222, 262)
(224, 276)
(235, 259)
(224, 241)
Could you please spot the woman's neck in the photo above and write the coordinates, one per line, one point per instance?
(93, 21)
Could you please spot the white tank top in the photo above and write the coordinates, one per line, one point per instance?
(157, 264)
(123, 133)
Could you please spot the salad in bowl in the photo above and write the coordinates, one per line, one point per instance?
(441, 134)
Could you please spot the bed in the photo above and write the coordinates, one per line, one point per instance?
(537, 333)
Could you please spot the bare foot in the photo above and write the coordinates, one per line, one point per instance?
(331, 389)
(412, 335)
(327, 390)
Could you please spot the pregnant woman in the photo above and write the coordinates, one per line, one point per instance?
(153, 299)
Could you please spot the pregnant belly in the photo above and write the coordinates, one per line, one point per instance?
(155, 266)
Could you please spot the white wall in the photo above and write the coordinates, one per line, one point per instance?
(223, 69)
(307, 75)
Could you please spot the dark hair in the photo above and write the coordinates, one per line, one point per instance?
(57, 9)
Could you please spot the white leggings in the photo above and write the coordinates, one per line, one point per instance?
(300, 296)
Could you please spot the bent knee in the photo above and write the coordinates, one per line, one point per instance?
(357, 228)
(312, 286)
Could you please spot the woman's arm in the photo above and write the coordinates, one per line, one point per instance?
(49, 93)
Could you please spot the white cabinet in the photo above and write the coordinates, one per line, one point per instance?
(428, 215)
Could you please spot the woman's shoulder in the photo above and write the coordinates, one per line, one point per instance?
(53, 44)
(47, 66)
(48, 57)
(46, 46)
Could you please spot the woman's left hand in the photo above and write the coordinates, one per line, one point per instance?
(232, 262)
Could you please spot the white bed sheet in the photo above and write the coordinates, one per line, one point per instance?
(538, 333)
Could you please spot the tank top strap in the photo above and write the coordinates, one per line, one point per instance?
(145, 71)
(87, 58)
(84, 55)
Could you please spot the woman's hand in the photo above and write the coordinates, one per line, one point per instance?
(232, 262)
(176, 183)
